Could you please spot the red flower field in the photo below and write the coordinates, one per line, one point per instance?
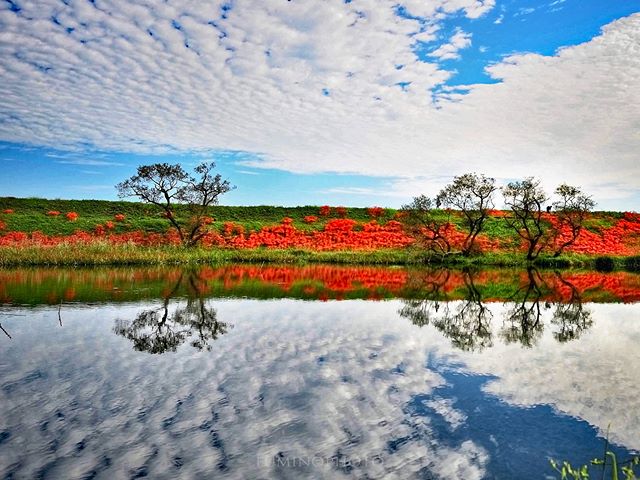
(621, 236)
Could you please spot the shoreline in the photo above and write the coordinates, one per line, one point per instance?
(103, 254)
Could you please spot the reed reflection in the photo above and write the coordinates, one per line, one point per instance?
(160, 330)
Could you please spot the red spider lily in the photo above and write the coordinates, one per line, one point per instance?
(498, 213)
(53, 213)
(119, 217)
(2, 225)
(207, 220)
(622, 238)
(72, 216)
(310, 219)
(324, 210)
(341, 212)
(99, 230)
(375, 212)
(109, 225)
(8, 211)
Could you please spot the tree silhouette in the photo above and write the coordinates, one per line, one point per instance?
(427, 225)
(525, 199)
(472, 194)
(572, 210)
(165, 185)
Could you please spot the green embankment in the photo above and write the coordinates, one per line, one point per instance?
(30, 215)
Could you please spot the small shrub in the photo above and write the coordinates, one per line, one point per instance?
(604, 264)
(550, 262)
(632, 264)
(375, 212)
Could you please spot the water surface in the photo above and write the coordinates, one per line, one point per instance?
(314, 372)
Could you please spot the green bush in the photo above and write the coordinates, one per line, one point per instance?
(604, 264)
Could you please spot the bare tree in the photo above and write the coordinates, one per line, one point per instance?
(525, 199)
(472, 194)
(427, 225)
(571, 209)
(167, 185)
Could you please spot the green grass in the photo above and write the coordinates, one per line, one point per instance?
(105, 253)
(30, 215)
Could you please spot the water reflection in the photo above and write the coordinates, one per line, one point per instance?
(159, 330)
(522, 321)
(570, 317)
(351, 386)
(467, 322)
(310, 282)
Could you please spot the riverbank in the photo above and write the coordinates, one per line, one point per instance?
(42, 232)
(105, 253)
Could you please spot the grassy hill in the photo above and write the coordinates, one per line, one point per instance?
(30, 214)
(613, 234)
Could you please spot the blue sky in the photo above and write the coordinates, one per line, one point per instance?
(367, 102)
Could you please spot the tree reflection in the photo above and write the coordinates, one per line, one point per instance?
(571, 317)
(159, 330)
(523, 321)
(427, 291)
(468, 325)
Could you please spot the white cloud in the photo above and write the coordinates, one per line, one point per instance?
(181, 77)
(90, 162)
(449, 51)
(570, 376)
(524, 11)
(260, 391)
(302, 378)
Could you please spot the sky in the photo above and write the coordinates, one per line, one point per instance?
(309, 102)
